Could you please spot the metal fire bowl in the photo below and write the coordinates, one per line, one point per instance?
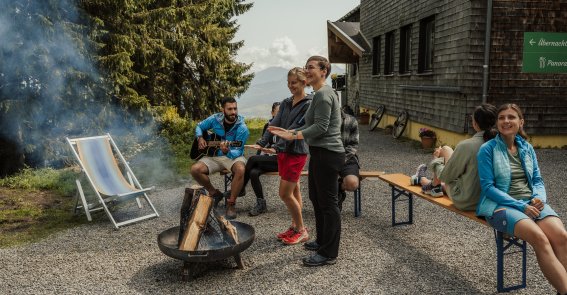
(168, 239)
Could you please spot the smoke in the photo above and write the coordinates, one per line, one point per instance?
(50, 89)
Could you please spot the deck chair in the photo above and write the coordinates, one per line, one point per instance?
(96, 156)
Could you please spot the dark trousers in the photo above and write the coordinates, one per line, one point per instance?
(256, 166)
(324, 167)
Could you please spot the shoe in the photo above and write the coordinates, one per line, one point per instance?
(432, 190)
(217, 197)
(296, 237)
(318, 260)
(419, 173)
(230, 211)
(286, 233)
(259, 208)
(311, 246)
(342, 197)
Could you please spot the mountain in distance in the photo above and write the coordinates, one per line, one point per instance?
(267, 87)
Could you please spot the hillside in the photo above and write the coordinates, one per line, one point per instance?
(267, 87)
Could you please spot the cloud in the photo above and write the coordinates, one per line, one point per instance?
(281, 53)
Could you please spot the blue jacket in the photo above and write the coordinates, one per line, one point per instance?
(238, 132)
(495, 175)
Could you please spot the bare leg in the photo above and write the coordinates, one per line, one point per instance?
(555, 232)
(237, 169)
(551, 267)
(200, 173)
(293, 206)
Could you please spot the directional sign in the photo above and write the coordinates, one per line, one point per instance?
(545, 52)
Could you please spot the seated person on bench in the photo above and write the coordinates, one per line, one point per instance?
(458, 169)
(229, 126)
(259, 164)
(349, 174)
(513, 197)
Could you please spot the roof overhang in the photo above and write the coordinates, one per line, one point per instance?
(345, 42)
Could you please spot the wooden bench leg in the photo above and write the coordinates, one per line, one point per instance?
(396, 194)
(357, 202)
(520, 246)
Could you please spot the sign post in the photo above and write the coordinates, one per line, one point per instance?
(545, 52)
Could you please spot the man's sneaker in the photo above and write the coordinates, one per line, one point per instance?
(288, 232)
(230, 211)
(296, 237)
(432, 190)
(259, 208)
(419, 173)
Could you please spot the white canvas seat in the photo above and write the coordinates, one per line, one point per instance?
(96, 156)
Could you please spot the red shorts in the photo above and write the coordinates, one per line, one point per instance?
(290, 166)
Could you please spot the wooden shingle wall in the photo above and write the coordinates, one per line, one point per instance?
(542, 97)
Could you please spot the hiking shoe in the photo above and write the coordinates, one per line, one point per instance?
(311, 246)
(342, 197)
(259, 208)
(419, 173)
(230, 211)
(432, 190)
(288, 232)
(296, 237)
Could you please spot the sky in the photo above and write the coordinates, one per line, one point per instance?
(286, 33)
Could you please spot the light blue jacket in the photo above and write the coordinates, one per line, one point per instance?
(238, 132)
(495, 175)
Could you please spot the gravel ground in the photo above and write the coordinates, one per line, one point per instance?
(441, 253)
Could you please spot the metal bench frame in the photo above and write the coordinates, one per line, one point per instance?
(513, 244)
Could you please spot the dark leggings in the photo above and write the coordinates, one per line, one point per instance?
(324, 167)
(256, 166)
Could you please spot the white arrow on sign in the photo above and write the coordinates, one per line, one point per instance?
(532, 42)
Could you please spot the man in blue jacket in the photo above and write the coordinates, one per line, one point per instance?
(230, 128)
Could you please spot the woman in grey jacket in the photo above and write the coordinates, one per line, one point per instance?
(291, 155)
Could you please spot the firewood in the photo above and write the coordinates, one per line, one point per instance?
(197, 223)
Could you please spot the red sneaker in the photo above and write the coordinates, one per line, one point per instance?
(288, 232)
(296, 237)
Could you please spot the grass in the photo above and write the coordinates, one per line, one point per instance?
(36, 203)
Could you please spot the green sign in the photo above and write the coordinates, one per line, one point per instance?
(545, 52)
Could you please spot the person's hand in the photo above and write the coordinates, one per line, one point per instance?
(532, 212)
(282, 133)
(254, 146)
(536, 202)
(202, 143)
(437, 152)
(269, 150)
(224, 147)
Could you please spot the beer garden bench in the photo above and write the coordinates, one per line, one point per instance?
(505, 244)
(357, 193)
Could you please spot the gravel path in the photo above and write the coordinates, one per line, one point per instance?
(441, 253)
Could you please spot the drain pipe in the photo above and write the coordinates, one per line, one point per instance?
(486, 50)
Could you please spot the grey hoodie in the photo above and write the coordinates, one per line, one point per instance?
(289, 117)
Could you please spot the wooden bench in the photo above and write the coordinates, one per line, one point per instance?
(357, 193)
(401, 188)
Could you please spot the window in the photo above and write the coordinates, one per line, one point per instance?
(389, 54)
(426, 42)
(376, 53)
(405, 50)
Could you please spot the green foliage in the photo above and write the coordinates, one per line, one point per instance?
(60, 181)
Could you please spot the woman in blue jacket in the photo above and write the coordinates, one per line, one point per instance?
(513, 197)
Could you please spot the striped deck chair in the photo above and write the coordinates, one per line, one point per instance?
(97, 159)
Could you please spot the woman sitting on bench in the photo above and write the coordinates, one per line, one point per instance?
(513, 197)
(457, 170)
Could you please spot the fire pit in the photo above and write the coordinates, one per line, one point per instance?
(211, 239)
(168, 241)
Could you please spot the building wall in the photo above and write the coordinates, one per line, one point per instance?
(443, 98)
(542, 97)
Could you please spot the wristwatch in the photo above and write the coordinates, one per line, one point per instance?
(294, 133)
